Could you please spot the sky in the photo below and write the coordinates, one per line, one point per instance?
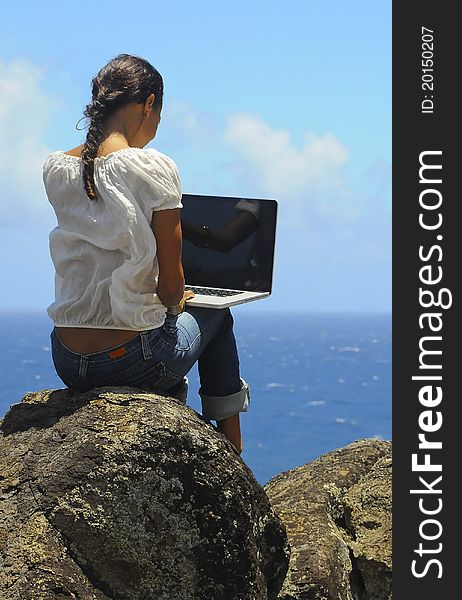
(289, 101)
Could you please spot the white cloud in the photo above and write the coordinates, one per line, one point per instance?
(309, 182)
(283, 169)
(25, 110)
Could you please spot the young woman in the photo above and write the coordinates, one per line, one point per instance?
(120, 312)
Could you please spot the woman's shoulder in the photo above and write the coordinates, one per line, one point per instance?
(140, 162)
(59, 163)
(135, 154)
(142, 156)
(58, 167)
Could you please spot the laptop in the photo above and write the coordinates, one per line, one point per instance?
(227, 249)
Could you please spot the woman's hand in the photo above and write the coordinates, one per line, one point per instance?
(177, 309)
(231, 429)
(188, 294)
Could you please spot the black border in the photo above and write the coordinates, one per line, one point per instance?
(413, 133)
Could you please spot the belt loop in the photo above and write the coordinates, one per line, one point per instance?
(147, 353)
(83, 367)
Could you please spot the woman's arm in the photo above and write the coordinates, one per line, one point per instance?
(166, 226)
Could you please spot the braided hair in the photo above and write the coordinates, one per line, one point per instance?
(123, 80)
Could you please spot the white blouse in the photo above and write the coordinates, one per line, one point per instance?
(104, 251)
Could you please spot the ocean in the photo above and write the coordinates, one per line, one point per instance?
(317, 381)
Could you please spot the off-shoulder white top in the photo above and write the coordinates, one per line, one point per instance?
(104, 251)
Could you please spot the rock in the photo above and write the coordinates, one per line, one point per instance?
(119, 494)
(337, 512)
(368, 511)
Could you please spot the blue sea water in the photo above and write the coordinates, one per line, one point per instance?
(317, 381)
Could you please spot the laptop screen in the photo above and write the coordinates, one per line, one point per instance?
(228, 242)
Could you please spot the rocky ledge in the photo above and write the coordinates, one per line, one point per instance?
(337, 512)
(119, 494)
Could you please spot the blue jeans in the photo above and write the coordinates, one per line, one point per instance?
(159, 359)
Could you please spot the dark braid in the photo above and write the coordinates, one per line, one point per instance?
(95, 137)
(122, 80)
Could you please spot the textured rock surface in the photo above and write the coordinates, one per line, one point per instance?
(337, 512)
(120, 494)
(368, 510)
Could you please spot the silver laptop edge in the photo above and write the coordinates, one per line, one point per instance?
(223, 302)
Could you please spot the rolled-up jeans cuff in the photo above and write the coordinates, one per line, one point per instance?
(222, 407)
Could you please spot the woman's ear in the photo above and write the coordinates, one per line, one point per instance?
(149, 102)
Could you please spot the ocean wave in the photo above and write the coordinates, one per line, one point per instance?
(349, 349)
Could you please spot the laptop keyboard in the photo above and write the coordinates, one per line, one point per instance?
(210, 292)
